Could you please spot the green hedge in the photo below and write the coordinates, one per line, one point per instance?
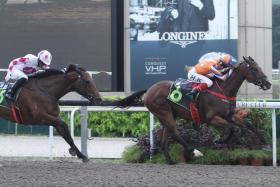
(114, 124)
(136, 124)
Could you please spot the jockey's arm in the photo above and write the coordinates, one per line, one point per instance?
(44, 67)
(224, 77)
(217, 73)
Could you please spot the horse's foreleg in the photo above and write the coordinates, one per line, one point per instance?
(62, 129)
(229, 128)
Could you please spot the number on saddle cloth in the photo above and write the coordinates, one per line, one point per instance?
(2, 95)
(4, 87)
(179, 89)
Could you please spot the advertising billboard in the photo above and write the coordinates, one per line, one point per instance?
(166, 35)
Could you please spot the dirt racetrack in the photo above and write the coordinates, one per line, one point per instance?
(71, 172)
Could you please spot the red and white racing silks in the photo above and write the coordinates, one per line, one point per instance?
(21, 67)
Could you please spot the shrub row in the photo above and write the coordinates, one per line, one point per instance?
(136, 124)
(133, 154)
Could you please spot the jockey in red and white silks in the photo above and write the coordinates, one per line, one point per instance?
(19, 68)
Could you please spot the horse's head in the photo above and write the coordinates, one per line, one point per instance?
(82, 82)
(253, 73)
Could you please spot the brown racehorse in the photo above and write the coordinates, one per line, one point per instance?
(212, 109)
(38, 100)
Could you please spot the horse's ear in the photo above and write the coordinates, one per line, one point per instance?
(251, 59)
(246, 59)
(71, 67)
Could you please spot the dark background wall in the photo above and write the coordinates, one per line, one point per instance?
(73, 31)
(276, 32)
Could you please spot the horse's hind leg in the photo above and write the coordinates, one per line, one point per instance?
(229, 129)
(169, 122)
(164, 146)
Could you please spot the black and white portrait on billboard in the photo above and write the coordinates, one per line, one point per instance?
(152, 20)
(186, 16)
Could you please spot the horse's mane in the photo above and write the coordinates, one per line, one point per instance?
(50, 72)
(46, 73)
(77, 68)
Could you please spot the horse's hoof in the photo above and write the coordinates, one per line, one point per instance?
(72, 152)
(85, 160)
(197, 153)
(189, 154)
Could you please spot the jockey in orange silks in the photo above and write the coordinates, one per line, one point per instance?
(210, 65)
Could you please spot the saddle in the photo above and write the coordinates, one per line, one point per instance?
(178, 94)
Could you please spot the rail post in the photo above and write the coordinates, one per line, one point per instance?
(274, 150)
(151, 135)
(50, 142)
(72, 120)
(84, 116)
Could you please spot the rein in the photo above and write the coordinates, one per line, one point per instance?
(221, 95)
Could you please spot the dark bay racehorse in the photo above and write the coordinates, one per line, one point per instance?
(215, 108)
(38, 100)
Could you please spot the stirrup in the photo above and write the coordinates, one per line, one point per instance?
(192, 95)
(9, 96)
(192, 92)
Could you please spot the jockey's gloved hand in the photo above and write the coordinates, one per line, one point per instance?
(174, 13)
(64, 70)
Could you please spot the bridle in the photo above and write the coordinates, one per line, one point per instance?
(85, 83)
(252, 71)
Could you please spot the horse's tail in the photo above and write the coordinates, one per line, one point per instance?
(131, 100)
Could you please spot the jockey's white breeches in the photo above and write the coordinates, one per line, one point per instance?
(15, 75)
(193, 76)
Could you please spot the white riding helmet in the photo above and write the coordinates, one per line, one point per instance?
(45, 56)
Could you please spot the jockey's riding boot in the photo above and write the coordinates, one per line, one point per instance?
(193, 93)
(196, 89)
(11, 93)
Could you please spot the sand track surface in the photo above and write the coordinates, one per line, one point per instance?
(72, 172)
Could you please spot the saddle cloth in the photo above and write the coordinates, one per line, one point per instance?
(4, 87)
(178, 95)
